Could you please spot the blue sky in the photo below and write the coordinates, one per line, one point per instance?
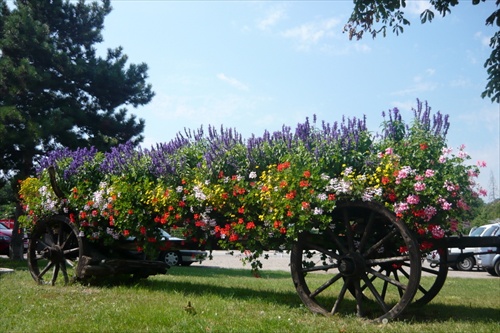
(258, 65)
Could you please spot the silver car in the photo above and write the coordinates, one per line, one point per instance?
(489, 259)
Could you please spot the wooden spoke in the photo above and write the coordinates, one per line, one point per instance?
(54, 251)
(360, 264)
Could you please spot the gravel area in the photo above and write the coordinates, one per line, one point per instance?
(279, 261)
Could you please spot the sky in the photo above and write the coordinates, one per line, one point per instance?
(257, 66)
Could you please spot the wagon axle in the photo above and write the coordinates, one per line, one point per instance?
(352, 265)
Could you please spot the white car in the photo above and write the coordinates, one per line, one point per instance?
(489, 259)
(467, 258)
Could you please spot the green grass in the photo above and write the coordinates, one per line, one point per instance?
(225, 300)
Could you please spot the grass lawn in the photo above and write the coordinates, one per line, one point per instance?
(224, 300)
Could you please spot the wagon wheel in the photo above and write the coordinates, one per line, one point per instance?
(55, 251)
(432, 280)
(355, 265)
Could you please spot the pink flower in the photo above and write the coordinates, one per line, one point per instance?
(389, 151)
(429, 213)
(419, 186)
(453, 225)
(446, 205)
(462, 204)
(419, 178)
(437, 232)
(399, 208)
(481, 164)
(413, 199)
(429, 173)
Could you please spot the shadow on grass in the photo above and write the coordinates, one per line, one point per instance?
(438, 312)
(434, 312)
(18, 265)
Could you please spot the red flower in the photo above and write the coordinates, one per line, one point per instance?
(304, 183)
(283, 183)
(130, 212)
(291, 195)
(126, 233)
(331, 197)
(241, 210)
(283, 166)
(385, 180)
(307, 174)
(283, 230)
(305, 205)
(250, 225)
(424, 146)
(233, 238)
(142, 229)
(221, 174)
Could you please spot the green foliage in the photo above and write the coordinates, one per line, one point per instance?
(377, 16)
(55, 91)
(487, 213)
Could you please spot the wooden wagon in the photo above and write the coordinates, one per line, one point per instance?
(368, 262)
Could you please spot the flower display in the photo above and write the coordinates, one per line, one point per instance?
(262, 192)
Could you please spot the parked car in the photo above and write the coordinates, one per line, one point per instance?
(488, 258)
(460, 259)
(6, 237)
(178, 251)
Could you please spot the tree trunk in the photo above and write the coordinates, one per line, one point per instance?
(16, 249)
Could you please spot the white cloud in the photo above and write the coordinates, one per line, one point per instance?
(273, 17)
(232, 81)
(421, 83)
(485, 40)
(417, 7)
(312, 33)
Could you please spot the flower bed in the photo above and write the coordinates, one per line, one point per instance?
(260, 193)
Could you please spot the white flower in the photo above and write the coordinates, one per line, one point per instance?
(317, 211)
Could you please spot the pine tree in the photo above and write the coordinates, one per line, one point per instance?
(55, 91)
